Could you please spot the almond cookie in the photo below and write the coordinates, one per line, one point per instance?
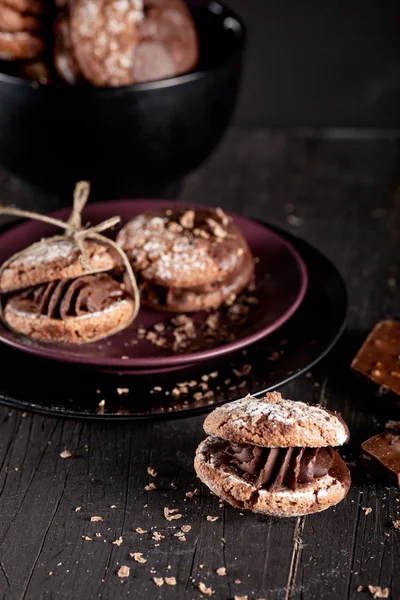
(274, 456)
(20, 46)
(13, 20)
(29, 6)
(187, 259)
(70, 310)
(120, 42)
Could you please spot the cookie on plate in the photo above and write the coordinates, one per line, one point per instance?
(274, 456)
(20, 46)
(13, 20)
(48, 295)
(187, 259)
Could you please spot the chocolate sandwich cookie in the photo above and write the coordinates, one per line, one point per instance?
(187, 259)
(70, 310)
(122, 42)
(20, 46)
(274, 456)
(48, 295)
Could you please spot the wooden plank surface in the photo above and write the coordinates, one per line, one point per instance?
(341, 196)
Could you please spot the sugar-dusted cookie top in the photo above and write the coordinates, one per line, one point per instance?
(275, 422)
(184, 247)
(55, 260)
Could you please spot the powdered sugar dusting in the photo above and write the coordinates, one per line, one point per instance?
(54, 251)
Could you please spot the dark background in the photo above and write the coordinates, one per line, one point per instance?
(328, 64)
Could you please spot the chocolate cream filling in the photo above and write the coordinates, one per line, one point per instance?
(182, 298)
(70, 297)
(272, 468)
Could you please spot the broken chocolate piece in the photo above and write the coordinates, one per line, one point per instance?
(379, 356)
(381, 455)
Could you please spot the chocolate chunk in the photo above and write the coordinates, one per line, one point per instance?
(381, 455)
(379, 356)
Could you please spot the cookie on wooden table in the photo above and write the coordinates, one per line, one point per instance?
(187, 259)
(48, 294)
(274, 456)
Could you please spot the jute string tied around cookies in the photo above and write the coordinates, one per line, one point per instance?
(76, 232)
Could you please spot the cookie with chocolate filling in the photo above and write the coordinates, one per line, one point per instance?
(49, 296)
(274, 456)
(187, 259)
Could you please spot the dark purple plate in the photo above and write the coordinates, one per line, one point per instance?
(281, 279)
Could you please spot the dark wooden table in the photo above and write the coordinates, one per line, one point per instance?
(339, 195)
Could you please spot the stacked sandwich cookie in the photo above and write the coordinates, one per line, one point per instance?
(187, 259)
(274, 456)
(21, 29)
(50, 296)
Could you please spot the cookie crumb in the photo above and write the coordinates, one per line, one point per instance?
(360, 588)
(209, 518)
(396, 524)
(221, 571)
(237, 581)
(378, 592)
(152, 472)
(118, 542)
(170, 515)
(65, 454)
(140, 530)
(207, 591)
(241, 598)
(138, 556)
(245, 370)
(97, 534)
(78, 508)
(113, 506)
(96, 519)
(149, 487)
(158, 581)
(367, 510)
(191, 494)
(170, 580)
(157, 536)
(186, 528)
(121, 391)
(87, 538)
(124, 571)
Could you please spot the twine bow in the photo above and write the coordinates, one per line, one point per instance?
(78, 234)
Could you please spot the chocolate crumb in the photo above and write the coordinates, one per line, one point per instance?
(207, 591)
(367, 510)
(124, 571)
(191, 494)
(158, 581)
(96, 519)
(65, 454)
(221, 571)
(121, 391)
(170, 515)
(118, 542)
(378, 592)
(138, 556)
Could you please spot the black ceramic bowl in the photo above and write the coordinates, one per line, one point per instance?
(119, 138)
